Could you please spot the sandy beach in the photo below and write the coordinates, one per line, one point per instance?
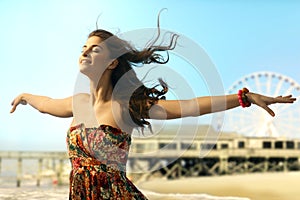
(266, 186)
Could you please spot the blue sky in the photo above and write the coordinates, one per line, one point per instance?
(41, 42)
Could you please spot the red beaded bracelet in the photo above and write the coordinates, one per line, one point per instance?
(243, 100)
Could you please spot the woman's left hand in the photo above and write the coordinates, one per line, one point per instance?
(265, 101)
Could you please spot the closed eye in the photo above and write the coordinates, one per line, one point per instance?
(97, 48)
(94, 48)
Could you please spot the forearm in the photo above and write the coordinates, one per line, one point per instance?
(213, 104)
(36, 101)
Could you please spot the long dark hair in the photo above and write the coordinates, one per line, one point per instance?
(141, 98)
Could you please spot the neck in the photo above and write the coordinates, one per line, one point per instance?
(101, 91)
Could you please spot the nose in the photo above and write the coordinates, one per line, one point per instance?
(86, 52)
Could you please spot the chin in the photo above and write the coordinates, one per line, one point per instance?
(84, 72)
(83, 69)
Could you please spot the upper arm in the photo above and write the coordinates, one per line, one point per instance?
(172, 109)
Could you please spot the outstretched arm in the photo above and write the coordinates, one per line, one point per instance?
(55, 107)
(171, 109)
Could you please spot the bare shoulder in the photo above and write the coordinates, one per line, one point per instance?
(82, 97)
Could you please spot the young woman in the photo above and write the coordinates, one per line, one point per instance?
(100, 134)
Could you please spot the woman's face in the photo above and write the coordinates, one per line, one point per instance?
(94, 59)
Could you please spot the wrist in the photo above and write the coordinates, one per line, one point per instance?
(243, 98)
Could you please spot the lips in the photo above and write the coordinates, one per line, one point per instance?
(85, 61)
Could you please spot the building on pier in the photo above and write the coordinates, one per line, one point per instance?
(174, 154)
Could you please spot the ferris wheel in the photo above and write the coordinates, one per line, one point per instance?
(255, 121)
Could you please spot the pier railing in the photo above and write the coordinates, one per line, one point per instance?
(20, 156)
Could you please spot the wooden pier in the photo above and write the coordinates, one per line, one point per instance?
(187, 153)
(20, 156)
(174, 154)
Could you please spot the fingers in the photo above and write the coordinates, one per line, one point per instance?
(16, 102)
(13, 108)
(279, 99)
(269, 110)
(285, 99)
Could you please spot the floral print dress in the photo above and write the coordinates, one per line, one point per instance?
(98, 157)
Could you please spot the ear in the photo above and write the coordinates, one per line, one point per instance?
(113, 64)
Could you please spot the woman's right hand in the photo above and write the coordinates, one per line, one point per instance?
(21, 99)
